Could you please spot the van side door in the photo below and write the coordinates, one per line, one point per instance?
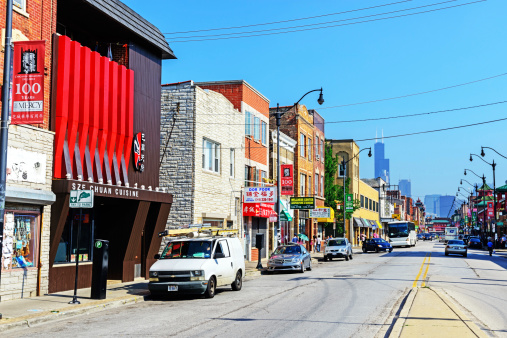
(223, 260)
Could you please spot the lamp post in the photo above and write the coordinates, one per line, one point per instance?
(493, 165)
(483, 184)
(344, 166)
(484, 154)
(471, 194)
(278, 116)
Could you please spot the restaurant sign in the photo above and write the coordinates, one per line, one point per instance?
(258, 210)
(28, 82)
(259, 195)
(302, 202)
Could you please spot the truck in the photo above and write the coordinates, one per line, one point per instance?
(450, 233)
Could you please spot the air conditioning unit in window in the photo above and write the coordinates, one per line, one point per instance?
(317, 156)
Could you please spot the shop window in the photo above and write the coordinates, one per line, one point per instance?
(67, 248)
(20, 245)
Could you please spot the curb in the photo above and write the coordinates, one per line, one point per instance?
(469, 323)
(31, 320)
(400, 321)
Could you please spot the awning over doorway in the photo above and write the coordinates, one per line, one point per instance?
(285, 216)
(366, 223)
(328, 220)
(379, 224)
(358, 223)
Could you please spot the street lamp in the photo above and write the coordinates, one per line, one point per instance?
(493, 165)
(344, 166)
(483, 178)
(484, 154)
(278, 116)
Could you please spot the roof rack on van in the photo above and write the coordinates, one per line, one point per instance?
(198, 233)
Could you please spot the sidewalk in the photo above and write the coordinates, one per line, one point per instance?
(20, 313)
(428, 312)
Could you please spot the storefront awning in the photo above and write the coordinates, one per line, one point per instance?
(358, 223)
(285, 216)
(366, 223)
(379, 224)
(327, 220)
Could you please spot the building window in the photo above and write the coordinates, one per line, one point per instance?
(362, 201)
(231, 166)
(371, 205)
(264, 133)
(302, 145)
(67, 248)
(309, 185)
(247, 176)
(317, 184)
(20, 246)
(322, 185)
(248, 123)
(257, 134)
(211, 156)
(255, 176)
(309, 149)
(236, 206)
(342, 171)
(302, 184)
(21, 4)
(263, 176)
(317, 148)
(322, 150)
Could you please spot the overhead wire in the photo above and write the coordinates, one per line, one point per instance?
(330, 26)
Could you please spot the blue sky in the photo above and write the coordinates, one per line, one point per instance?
(364, 62)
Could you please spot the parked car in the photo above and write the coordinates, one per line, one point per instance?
(427, 237)
(376, 244)
(338, 248)
(290, 258)
(466, 238)
(420, 236)
(198, 266)
(474, 242)
(456, 246)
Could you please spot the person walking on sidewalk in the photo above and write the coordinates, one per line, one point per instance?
(318, 243)
(295, 239)
(490, 246)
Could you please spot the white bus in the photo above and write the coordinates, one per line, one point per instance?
(402, 233)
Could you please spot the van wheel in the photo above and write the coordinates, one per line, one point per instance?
(238, 282)
(350, 256)
(210, 290)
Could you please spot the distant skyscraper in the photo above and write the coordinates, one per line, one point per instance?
(432, 203)
(381, 163)
(446, 205)
(406, 188)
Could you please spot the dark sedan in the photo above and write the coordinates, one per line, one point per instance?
(427, 237)
(474, 242)
(376, 244)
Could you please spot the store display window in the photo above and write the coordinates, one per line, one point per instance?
(67, 248)
(19, 249)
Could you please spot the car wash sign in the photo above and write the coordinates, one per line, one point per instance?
(28, 82)
(81, 199)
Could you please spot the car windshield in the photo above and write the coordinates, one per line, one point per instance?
(398, 230)
(187, 249)
(379, 240)
(337, 242)
(474, 240)
(289, 250)
(456, 242)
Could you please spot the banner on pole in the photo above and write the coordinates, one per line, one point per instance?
(28, 82)
(287, 179)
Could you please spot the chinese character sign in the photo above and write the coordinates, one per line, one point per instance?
(287, 179)
(259, 195)
(258, 210)
(28, 82)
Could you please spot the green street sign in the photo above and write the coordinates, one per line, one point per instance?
(81, 199)
(302, 202)
(349, 203)
(98, 244)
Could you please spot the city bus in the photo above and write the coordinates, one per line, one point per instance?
(401, 233)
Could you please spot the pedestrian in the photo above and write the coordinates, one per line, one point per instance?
(502, 245)
(318, 242)
(314, 243)
(295, 239)
(490, 246)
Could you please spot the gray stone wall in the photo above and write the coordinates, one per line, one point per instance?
(177, 164)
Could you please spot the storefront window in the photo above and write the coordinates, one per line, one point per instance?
(67, 248)
(20, 244)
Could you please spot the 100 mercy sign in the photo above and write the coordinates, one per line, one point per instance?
(259, 194)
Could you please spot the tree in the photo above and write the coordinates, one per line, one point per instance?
(334, 192)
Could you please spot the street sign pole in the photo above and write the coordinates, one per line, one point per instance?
(74, 299)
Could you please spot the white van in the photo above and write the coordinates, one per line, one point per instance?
(198, 266)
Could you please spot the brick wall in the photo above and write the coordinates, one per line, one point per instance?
(38, 23)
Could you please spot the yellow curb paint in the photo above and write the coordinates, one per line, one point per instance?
(420, 271)
(423, 284)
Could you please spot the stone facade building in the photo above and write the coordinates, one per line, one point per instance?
(202, 157)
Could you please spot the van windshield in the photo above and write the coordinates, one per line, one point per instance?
(187, 249)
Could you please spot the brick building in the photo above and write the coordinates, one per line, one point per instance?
(24, 266)
(202, 158)
(318, 166)
(255, 109)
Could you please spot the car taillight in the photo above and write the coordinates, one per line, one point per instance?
(448, 247)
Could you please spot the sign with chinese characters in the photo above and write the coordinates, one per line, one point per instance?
(287, 179)
(81, 199)
(139, 149)
(320, 213)
(259, 194)
(258, 210)
(28, 82)
(349, 203)
(302, 202)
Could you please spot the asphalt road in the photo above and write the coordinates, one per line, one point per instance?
(358, 298)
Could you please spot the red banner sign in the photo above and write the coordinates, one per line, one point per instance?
(28, 82)
(287, 179)
(258, 209)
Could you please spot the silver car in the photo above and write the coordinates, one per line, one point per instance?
(338, 248)
(290, 258)
(456, 246)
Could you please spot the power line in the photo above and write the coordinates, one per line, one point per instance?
(331, 26)
(290, 20)
(308, 25)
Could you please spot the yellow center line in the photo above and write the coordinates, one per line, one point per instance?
(420, 271)
(423, 284)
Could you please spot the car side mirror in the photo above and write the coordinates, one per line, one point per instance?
(219, 255)
(157, 256)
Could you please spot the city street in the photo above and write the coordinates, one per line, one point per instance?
(358, 298)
